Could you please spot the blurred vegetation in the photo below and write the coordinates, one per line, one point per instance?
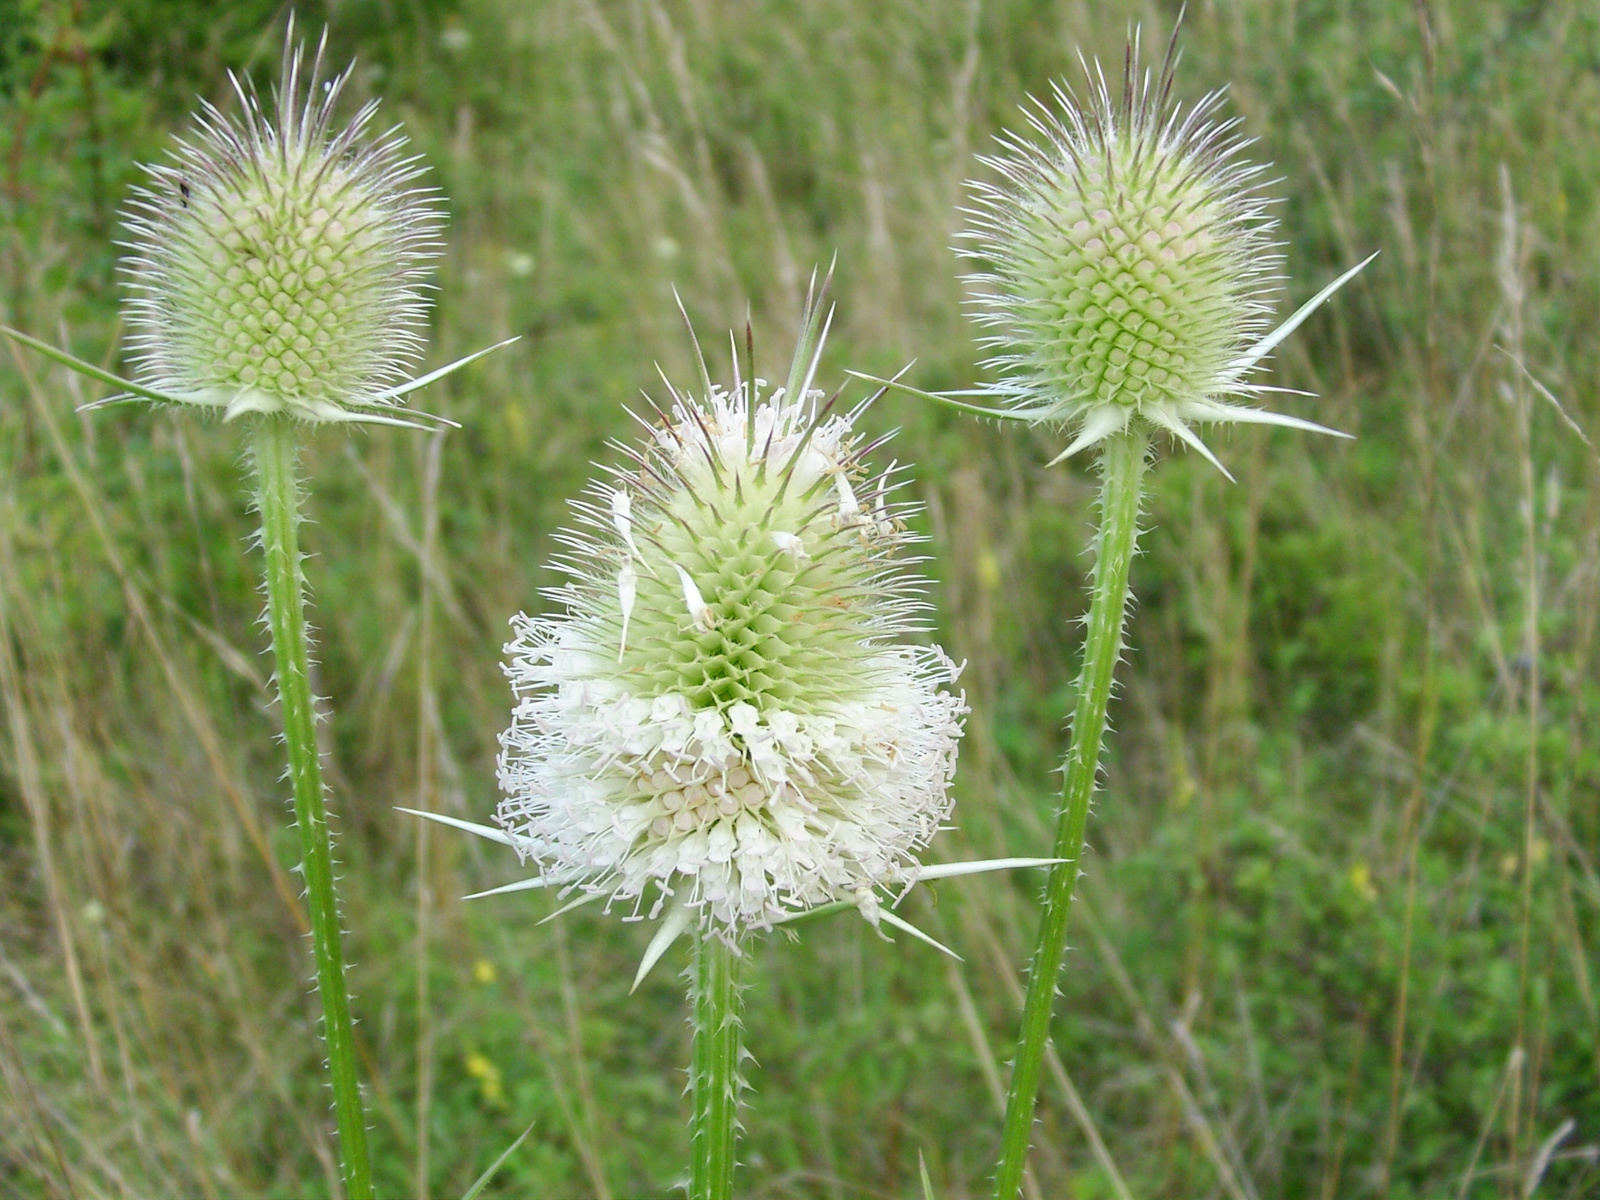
(1340, 929)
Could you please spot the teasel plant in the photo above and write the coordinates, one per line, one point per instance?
(276, 269)
(1127, 267)
(729, 725)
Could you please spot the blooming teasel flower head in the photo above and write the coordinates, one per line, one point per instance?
(1131, 262)
(727, 723)
(277, 264)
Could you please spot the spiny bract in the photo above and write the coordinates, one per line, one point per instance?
(726, 717)
(277, 266)
(1133, 266)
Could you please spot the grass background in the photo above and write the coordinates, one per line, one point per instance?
(1339, 933)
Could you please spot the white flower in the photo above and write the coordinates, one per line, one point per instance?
(728, 724)
(763, 738)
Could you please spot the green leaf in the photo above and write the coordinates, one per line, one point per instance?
(411, 385)
(84, 368)
(949, 401)
(822, 910)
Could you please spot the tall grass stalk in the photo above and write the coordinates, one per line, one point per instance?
(275, 451)
(1122, 469)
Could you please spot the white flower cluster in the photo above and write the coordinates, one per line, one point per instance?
(726, 717)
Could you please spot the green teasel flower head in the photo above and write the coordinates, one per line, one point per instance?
(1129, 264)
(729, 722)
(278, 263)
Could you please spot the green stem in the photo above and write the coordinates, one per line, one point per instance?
(714, 1071)
(1122, 467)
(278, 499)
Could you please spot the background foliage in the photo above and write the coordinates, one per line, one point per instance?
(1341, 919)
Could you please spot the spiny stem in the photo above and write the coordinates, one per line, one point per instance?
(1122, 467)
(714, 1071)
(278, 499)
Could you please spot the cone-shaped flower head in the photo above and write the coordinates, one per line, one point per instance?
(1131, 263)
(727, 718)
(277, 263)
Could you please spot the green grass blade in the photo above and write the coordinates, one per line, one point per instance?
(483, 1180)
